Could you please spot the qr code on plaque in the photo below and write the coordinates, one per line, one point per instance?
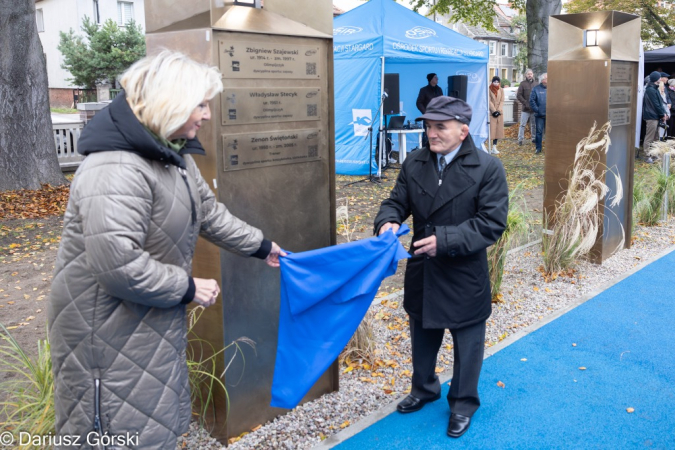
(311, 68)
(311, 110)
(312, 151)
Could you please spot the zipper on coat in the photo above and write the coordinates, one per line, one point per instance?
(97, 410)
(183, 173)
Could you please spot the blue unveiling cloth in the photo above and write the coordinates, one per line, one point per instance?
(324, 295)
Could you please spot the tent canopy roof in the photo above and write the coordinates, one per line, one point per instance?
(385, 28)
(662, 55)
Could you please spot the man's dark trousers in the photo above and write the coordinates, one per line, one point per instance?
(541, 125)
(468, 347)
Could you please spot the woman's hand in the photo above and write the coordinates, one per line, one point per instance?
(272, 259)
(206, 291)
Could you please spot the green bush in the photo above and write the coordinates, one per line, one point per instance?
(506, 83)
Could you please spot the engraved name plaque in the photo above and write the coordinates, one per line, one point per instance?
(621, 73)
(619, 95)
(262, 105)
(619, 116)
(252, 59)
(247, 151)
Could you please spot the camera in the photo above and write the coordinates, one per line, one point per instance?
(662, 124)
(496, 114)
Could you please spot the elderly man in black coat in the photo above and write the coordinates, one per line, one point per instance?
(458, 198)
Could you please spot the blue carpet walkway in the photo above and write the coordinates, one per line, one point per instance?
(625, 340)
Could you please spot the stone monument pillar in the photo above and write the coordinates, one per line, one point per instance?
(271, 161)
(592, 77)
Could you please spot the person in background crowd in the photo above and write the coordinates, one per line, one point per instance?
(538, 105)
(664, 77)
(458, 198)
(670, 90)
(426, 94)
(123, 273)
(653, 111)
(526, 115)
(666, 105)
(497, 112)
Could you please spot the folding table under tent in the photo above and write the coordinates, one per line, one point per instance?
(381, 36)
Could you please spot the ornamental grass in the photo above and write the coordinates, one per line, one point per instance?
(570, 232)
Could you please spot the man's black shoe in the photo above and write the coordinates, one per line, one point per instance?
(537, 152)
(458, 425)
(412, 403)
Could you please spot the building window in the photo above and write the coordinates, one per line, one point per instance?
(493, 72)
(515, 50)
(125, 13)
(40, 20)
(504, 50)
(505, 74)
(492, 47)
(515, 75)
(97, 13)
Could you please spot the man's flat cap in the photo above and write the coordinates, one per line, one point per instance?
(664, 75)
(447, 108)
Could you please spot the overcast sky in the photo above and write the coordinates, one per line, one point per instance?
(347, 5)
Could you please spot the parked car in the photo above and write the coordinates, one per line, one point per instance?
(510, 93)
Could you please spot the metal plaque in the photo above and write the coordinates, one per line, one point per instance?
(619, 95)
(247, 151)
(621, 73)
(619, 116)
(252, 59)
(262, 105)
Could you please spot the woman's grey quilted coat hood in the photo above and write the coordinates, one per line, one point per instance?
(117, 319)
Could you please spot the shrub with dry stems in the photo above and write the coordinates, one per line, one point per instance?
(516, 226)
(572, 229)
(361, 347)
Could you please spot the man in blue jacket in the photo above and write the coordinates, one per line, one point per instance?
(538, 105)
(652, 110)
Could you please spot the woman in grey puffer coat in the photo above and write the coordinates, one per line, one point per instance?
(117, 312)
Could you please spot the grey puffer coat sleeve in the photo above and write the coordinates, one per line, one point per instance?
(219, 226)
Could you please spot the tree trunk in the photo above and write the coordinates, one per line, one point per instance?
(537, 13)
(27, 150)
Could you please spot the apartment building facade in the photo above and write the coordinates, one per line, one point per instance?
(54, 16)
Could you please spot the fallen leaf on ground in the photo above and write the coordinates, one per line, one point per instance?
(630, 410)
(501, 385)
(345, 424)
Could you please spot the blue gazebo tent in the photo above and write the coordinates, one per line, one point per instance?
(383, 37)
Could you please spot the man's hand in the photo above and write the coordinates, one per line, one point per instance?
(206, 291)
(389, 226)
(426, 245)
(272, 259)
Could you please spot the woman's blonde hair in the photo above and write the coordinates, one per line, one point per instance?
(164, 90)
(671, 82)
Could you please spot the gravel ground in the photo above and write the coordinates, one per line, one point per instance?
(527, 299)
